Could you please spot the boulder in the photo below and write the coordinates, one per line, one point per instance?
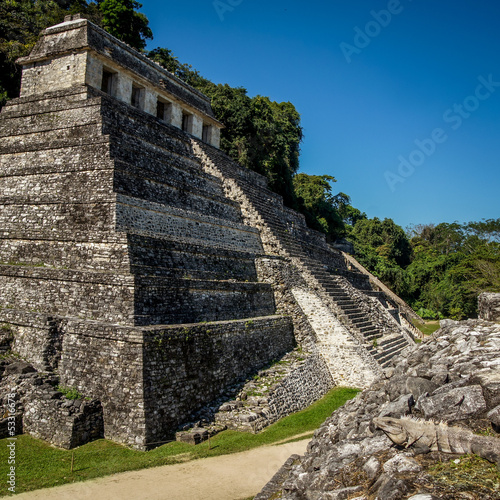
(398, 408)
(489, 380)
(418, 386)
(456, 404)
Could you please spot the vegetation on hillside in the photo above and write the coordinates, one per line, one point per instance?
(438, 269)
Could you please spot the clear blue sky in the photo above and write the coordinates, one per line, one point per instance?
(367, 87)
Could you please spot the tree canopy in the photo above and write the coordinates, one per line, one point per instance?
(121, 19)
(452, 264)
(438, 269)
(317, 203)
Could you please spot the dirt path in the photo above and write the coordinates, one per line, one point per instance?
(228, 477)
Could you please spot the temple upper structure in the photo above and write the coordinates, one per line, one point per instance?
(79, 52)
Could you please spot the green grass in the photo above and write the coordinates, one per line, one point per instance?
(39, 465)
(429, 328)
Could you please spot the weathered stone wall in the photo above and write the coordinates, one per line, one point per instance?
(302, 387)
(106, 362)
(57, 73)
(489, 306)
(35, 337)
(152, 379)
(170, 301)
(107, 297)
(188, 367)
(64, 423)
(135, 215)
(284, 277)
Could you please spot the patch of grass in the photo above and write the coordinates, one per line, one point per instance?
(468, 473)
(70, 392)
(429, 328)
(38, 465)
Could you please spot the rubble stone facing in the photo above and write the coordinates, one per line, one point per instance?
(291, 383)
(42, 410)
(452, 377)
(304, 385)
(64, 423)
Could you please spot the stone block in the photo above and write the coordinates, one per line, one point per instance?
(456, 404)
(489, 306)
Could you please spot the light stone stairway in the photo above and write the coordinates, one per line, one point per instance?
(284, 233)
(341, 351)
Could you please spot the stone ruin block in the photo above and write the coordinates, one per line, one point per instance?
(489, 306)
(63, 422)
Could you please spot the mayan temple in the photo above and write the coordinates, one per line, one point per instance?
(148, 270)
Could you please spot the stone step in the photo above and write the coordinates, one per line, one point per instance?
(369, 330)
(384, 355)
(333, 289)
(387, 344)
(385, 361)
(370, 337)
(355, 318)
(363, 325)
(349, 309)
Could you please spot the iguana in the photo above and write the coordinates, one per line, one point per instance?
(407, 432)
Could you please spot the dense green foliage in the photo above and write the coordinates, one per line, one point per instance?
(42, 466)
(383, 248)
(120, 18)
(452, 264)
(439, 269)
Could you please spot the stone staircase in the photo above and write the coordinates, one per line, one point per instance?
(284, 233)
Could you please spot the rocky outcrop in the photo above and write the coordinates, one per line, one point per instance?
(454, 378)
